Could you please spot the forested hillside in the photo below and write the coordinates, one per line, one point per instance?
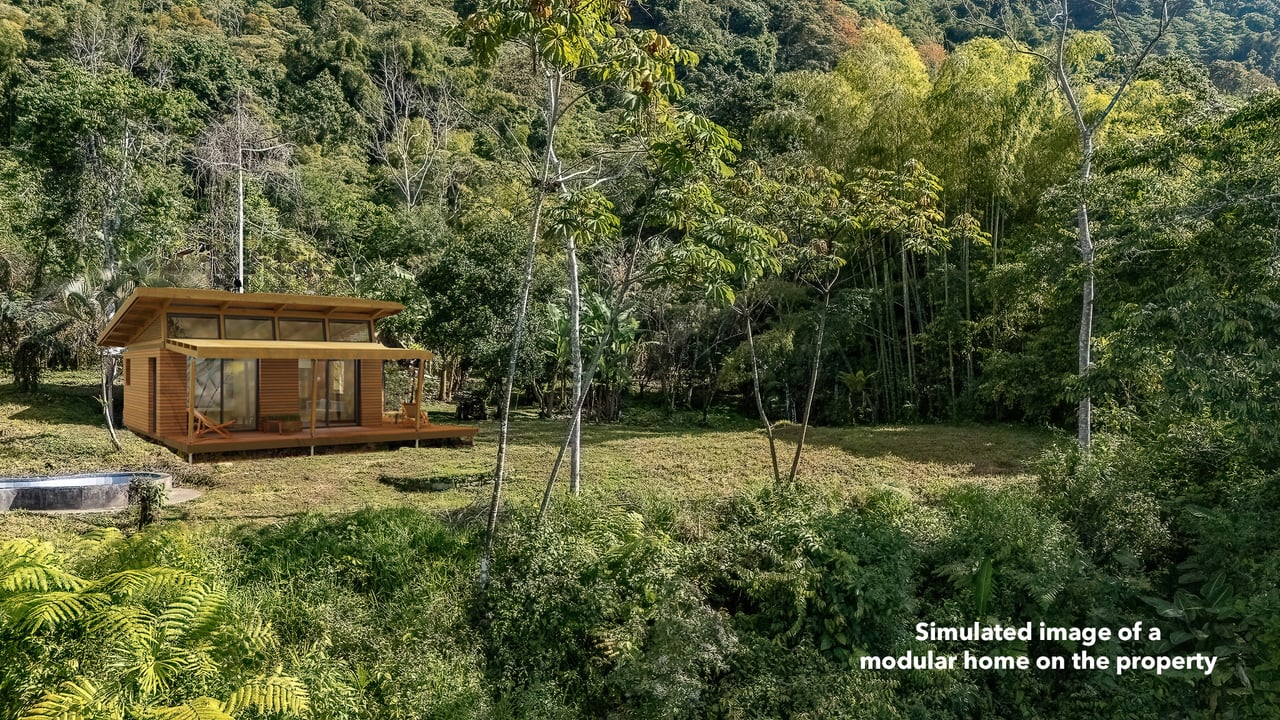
(380, 158)
(797, 213)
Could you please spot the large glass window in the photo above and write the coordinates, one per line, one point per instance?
(250, 328)
(301, 329)
(349, 331)
(227, 390)
(193, 326)
(336, 391)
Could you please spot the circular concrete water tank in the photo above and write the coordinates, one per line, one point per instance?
(91, 491)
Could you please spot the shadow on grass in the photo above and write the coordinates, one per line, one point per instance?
(540, 431)
(989, 449)
(435, 483)
(56, 403)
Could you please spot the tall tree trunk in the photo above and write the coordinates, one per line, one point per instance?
(906, 328)
(545, 184)
(575, 358)
(813, 383)
(108, 396)
(764, 417)
(574, 421)
(588, 376)
(504, 399)
(1084, 413)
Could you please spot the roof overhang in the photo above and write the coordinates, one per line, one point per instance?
(289, 350)
(145, 304)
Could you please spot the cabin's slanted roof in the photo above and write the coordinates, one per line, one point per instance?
(146, 304)
(290, 349)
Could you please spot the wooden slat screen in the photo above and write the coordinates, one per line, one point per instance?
(171, 410)
(370, 392)
(277, 387)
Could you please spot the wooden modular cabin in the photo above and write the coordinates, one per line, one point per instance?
(209, 371)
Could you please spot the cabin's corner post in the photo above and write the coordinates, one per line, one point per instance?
(191, 404)
(315, 380)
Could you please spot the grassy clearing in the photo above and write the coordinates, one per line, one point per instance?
(61, 430)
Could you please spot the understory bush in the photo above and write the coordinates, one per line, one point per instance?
(757, 606)
(1183, 514)
(374, 606)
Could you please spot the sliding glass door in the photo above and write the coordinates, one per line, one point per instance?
(336, 391)
(227, 390)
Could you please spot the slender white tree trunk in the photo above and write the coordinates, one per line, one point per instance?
(575, 357)
(108, 396)
(504, 399)
(813, 383)
(764, 417)
(550, 171)
(1084, 413)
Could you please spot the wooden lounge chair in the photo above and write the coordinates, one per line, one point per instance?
(410, 413)
(204, 425)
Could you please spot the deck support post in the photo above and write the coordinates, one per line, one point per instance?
(315, 381)
(417, 415)
(191, 405)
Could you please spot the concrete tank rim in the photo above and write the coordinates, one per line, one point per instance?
(79, 492)
(27, 481)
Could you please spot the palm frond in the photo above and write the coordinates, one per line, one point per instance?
(31, 566)
(128, 626)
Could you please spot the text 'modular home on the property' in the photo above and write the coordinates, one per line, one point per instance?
(209, 371)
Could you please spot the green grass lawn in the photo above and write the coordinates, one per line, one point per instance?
(60, 429)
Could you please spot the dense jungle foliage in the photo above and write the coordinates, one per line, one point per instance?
(811, 211)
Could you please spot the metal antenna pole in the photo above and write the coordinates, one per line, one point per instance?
(240, 245)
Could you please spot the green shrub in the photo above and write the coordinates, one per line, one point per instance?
(1109, 500)
(793, 566)
(595, 614)
(375, 605)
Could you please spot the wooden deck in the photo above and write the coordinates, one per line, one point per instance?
(387, 432)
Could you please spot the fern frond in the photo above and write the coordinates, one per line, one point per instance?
(199, 662)
(73, 700)
(25, 549)
(31, 566)
(198, 611)
(36, 577)
(154, 671)
(255, 638)
(127, 625)
(276, 694)
(95, 540)
(202, 708)
(38, 612)
(145, 581)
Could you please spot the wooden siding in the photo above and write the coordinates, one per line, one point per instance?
(277, 387)
(171, 386)
(370, 392)
(137, 392)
